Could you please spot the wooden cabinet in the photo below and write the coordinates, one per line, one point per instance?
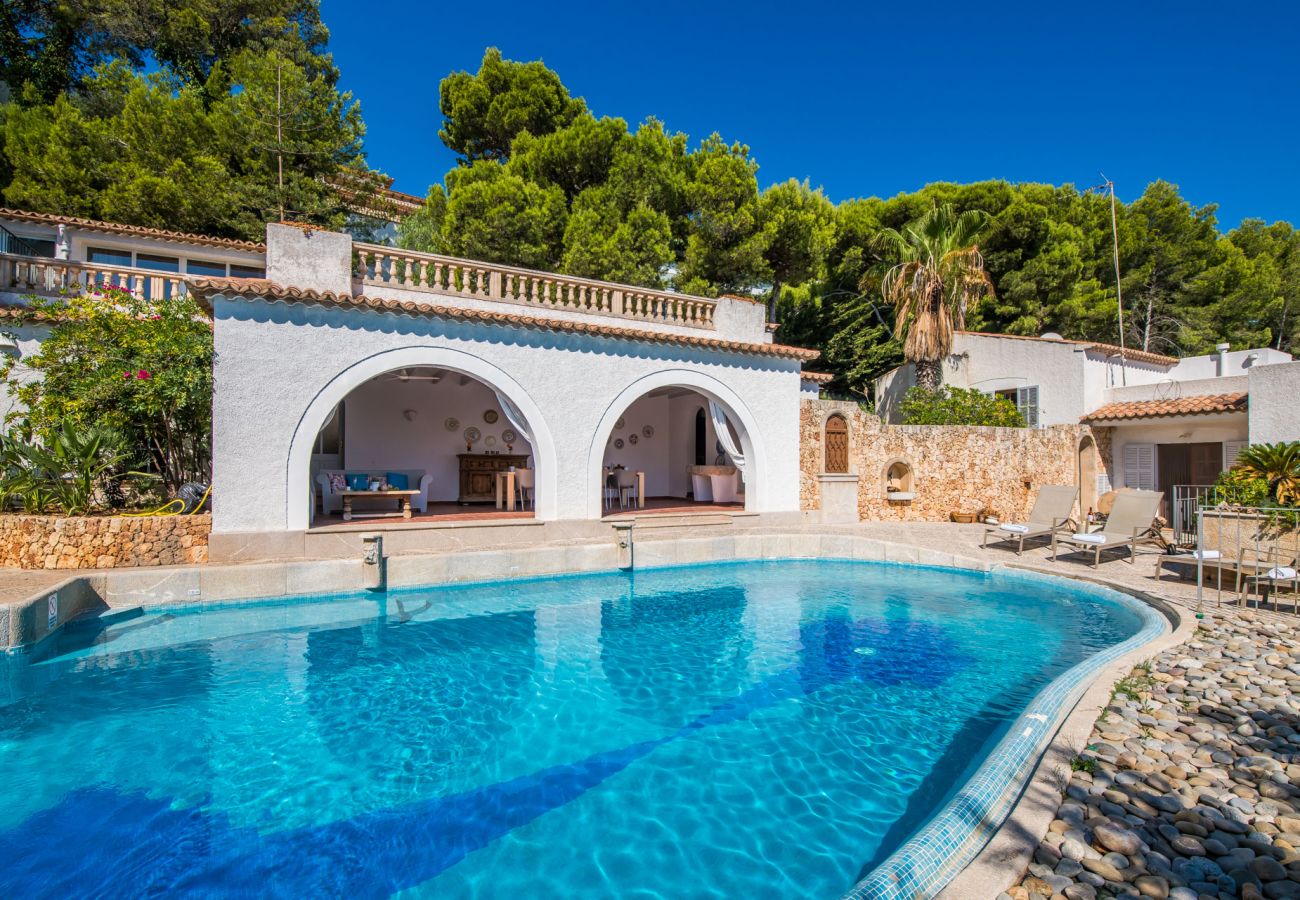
(478, 474)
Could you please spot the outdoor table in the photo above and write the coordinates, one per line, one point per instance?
(403, 499)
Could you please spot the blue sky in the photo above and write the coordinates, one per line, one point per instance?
(872, 99)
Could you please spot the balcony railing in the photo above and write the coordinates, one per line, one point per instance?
(27, 275)
(381, 267)
(12, 243)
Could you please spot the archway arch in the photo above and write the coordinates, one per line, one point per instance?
(1087, 469)
(711, 388)
(348, 379)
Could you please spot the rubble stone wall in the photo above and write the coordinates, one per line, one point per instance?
(954, 468)
(102, 542)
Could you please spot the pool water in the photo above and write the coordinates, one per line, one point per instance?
(765, 729)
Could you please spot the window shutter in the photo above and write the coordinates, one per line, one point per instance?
(1230, 451)
(1027, 403)
(1103, 484)
(1140, 466)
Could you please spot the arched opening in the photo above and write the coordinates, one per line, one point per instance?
(1087, 476)
(837, 445)
(899, 483)
(420, 433)
(647, 452)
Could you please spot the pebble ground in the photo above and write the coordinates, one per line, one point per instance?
(1189, 787)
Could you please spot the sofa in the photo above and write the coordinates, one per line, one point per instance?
(332, 502)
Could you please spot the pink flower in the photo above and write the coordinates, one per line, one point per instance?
(142, 374)
(127, 375)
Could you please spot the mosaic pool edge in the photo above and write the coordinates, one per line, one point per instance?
(955, 836)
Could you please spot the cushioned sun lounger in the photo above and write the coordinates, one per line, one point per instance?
(1130, 523)
(1052, 510)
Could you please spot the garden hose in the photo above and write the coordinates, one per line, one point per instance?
(167, 510)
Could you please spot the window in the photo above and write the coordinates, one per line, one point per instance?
(246, 272)
(837, 444)
(701, 440)
(158, 264)
(203, 267)
(1026, 401)
(105, 257)
(1230, 451)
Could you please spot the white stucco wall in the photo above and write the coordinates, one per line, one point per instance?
(29, 343)
(280, 368)
(1274, 403)
(1169, 390)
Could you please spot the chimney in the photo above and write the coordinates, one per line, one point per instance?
(1221, 365)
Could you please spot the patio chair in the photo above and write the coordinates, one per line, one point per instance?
(1130, 523)
(1053, 508)
(1276, 571)
(526, 487)
(609, 486)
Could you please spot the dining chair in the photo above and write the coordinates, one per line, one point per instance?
(627, 487)
(609, 486)
(526, 487)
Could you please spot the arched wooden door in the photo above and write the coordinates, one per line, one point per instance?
(837, 444)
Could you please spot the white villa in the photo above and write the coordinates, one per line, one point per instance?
(500, 397)
(485, 390)
(1170, 421)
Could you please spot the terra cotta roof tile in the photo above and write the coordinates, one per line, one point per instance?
(1204, 404)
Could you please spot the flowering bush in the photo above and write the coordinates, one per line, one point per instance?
(140, 367)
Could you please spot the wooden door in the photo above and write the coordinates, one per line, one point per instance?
(837, 444)
(1179, 464)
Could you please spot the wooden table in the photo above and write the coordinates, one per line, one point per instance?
(403, 499)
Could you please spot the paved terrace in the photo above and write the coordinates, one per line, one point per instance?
(1186, 788)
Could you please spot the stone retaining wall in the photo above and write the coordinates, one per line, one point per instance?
(94, 542)
(954, 468)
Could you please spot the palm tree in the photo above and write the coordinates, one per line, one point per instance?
(938, 278)
(1278, 464)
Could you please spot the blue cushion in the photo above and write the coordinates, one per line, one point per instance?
(357, 481)
(397, 481)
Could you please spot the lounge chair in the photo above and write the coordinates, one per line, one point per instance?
(1130, 523)
(1052, 510)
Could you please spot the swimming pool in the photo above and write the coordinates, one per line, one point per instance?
(762, 728)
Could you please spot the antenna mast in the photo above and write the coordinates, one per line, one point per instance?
(1119, 289)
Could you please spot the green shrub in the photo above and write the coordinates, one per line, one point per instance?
(959, 406)
(71, 473)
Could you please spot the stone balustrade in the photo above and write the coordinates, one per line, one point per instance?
(40, 275)
(377, 266)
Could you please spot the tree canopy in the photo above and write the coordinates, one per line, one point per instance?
(193, 144)
(175, 114)
(543, 182)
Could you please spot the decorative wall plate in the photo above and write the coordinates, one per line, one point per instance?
(648, 431)
(632, 438)
(509, 436)
(452, 423)
(490, 416)
(490, 441)
(618, 443)
(618, 426)
(472, 435)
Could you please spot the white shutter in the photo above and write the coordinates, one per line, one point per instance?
(1230, 451)
(1140, 466)
(1027, 403)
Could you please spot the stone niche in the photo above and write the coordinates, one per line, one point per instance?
(899, 481)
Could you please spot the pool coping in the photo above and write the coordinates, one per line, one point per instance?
(993, 853)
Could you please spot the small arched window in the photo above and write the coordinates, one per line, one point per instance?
(837, 444)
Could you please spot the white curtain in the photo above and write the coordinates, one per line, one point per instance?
(724, 437)
(514, 417)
